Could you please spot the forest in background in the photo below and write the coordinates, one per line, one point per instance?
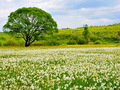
(109, 34)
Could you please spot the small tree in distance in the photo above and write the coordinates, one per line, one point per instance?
(86, 33)
(29, 23)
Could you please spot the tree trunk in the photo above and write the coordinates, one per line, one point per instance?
(28, 41)
(27, 44)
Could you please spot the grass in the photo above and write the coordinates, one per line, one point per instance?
(54, 68)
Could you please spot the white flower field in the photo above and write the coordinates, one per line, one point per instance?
(60, 69)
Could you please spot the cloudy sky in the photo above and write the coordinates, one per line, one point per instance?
(68, 13)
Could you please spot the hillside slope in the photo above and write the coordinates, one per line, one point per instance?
(109, 34)
(98, 35)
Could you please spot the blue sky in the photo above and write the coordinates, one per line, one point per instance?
(68, 13)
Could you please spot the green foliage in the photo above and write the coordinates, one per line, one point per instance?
(98, 42)
(29, 23)
(50, 42)
(81, 41)
(98, 34)
(11, 42)
(2, 43)
(8, 40)
(72, 42)
(118, 36)
(36, 43)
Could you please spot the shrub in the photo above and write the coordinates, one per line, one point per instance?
(11, 42)
(3, 43)
(94, 38)
(50, 42)
(2, 38)
(72, 42)
(105, 43)
(81, 41)
(20, 42)
(98, 42)
(36, 43)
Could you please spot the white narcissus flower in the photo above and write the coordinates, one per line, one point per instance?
(86, 68)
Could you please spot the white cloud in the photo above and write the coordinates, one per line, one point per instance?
(5, 12)
(71, 21)
(10, 0)
(54, 4)
(101, 21)
(51, 5)
(96, 12)
(90, 16)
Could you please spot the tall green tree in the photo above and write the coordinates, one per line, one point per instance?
(86, 33)
(29, 23)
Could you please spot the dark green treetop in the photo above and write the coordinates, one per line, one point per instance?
(29, 23)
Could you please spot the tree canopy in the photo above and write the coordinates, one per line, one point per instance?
(29, 23)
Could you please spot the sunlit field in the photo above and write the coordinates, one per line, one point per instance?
(60, 68)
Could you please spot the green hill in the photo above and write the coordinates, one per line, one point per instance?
(109, 34)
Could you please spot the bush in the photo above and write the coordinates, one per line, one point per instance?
(105, 43)
(36, 43)
(20, 42)
(98, 42)
(3, 43)
(50, 42)
(72, 42)
(81, 41)
(2, 38)
(11, 42)
(95, 38)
